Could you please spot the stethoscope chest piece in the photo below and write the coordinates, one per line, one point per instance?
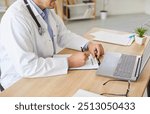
(40, 30)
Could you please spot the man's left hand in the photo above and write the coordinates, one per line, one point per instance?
(95, 48)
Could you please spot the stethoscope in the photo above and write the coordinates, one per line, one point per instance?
(40, 29)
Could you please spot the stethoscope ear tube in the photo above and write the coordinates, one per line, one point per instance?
(34, 17)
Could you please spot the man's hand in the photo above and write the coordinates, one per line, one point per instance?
(77, 59)
(92, 47)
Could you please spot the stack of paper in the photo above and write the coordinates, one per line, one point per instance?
(114, 38)
(84, 93)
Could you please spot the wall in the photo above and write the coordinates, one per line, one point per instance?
(147, 7)
(116, 7)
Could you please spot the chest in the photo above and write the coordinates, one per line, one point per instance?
(43, 44)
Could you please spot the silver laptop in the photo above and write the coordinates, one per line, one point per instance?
(123, 66)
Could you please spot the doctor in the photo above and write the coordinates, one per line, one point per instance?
(30, 35)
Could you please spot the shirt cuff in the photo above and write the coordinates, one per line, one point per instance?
(85, 47)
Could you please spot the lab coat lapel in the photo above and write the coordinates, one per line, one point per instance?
(38, 16)
(42, 22)
(45, 26)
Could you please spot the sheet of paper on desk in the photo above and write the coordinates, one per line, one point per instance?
(114, 38)
(91, 63)
(84, 93)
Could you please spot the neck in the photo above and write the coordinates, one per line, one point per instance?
(39, 4)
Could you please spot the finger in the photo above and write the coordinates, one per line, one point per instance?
(87, 53)
(101, 50)
(96, 52)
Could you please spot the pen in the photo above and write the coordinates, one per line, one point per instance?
(82, 49)
(99, 62)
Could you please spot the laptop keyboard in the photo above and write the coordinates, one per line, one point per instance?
(125, 66)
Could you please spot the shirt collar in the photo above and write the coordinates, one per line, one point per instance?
(42, 13)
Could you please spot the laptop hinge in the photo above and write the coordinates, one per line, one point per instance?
(138, 67)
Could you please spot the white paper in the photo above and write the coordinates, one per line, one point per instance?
(91, 63)
(84, 93)
(113, 38)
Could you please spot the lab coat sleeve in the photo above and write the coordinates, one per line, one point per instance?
(18, 42)
(68, 39)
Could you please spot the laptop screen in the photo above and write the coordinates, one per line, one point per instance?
(146, 56)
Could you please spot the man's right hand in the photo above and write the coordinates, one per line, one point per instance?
(78, 59)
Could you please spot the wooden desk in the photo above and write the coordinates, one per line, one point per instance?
(67, 85)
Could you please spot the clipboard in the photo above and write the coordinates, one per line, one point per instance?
(91, 63)
(114, 38)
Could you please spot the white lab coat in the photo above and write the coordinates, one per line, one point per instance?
(25, 53)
